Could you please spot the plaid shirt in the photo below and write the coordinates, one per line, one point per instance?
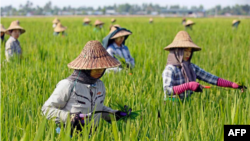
(122, 52)
(172, 76)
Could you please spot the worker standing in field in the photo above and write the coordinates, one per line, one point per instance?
(179, 75)
(3, 30)
(83, 93)
(12, 46)
(98, 25)
(183, 22)
(86, 22)
(114, 42)
(113, 20)
(60, 29)
(189, 24)
(55, 22)
(151, 20)
(235, 23)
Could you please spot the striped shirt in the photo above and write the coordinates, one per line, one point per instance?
(122, 52)
(172, 76)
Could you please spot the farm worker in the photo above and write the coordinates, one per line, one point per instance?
(114, 42)
(113, 20)
(82, 92)
(60, 29)
(151, 20)
(86, 21)
(12, 46)
(55, 22)
(98, 25)
(179, 75)
(183, 21)
(3, 30)
(189, 24)
(235, 23)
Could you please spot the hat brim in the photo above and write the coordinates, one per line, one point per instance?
(183, 44)
(81, 63)
(121, 34)
(189, 24)
(99, 24)
(60, 29)
(13, 28)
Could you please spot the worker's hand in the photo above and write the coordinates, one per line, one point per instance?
(77, 121)
(237, 86)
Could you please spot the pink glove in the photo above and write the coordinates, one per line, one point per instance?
(224, 83)
(193, 86)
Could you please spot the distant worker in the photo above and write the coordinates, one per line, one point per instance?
(60, 29)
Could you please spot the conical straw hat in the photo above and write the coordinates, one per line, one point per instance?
(93, 56)
(2, 28)
(183, 40)
(113, 20)
(189, 22)
(120, 33)
(235, 21)
(151, 19)
(60, 28)
(15, 25)
(86, 20)
(56, 21)
(113, 28)
(98, 22)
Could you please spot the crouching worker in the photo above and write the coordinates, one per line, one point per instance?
(115, 45)
(179, 76)
(83, 93)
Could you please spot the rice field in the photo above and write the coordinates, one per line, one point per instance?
(27, 84)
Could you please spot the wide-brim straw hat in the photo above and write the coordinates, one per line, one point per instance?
(15, 25)
(2, 28)
(60, 28)
(113, 28)
(183, 40)
(235, 21)
(120, 33)
(98, 22)
(93, 56)
(56, 21)
(189, 22)
(113, 20)
(86, 20)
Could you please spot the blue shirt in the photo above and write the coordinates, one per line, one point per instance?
(172, 76)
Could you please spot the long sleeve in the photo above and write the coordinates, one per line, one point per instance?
(57, 101)
(9, 50)
(130, 59)
(205, 76)
(168, 77)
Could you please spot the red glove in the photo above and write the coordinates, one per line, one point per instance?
(193, 86)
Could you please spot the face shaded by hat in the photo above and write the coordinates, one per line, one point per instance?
(59, 28)
(15, 26)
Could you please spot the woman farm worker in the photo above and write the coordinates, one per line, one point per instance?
(55, 22)
(12, 46)
(235, 23)
(98, 25)
(180, 74)
(189, 24)
(60, 29)
(86, 21)
(82, 92)
(115, 45)
(3, 30)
